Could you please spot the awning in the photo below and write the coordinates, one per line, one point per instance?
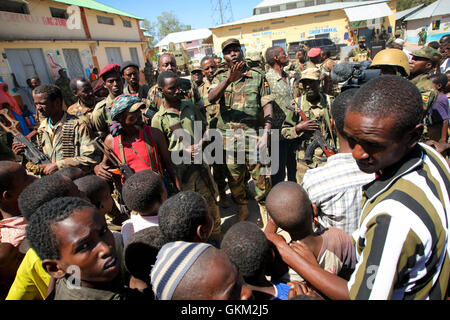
(368, 12)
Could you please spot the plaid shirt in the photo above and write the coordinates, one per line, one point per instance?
(336, 189)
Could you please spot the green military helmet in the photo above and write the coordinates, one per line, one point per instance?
(195, 67)
(428, 53)
(254, 56)
(391, 57)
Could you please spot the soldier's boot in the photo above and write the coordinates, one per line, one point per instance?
(243, 213)
(223, 200)
(264, 215)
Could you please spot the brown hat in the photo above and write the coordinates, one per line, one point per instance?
(230, 42)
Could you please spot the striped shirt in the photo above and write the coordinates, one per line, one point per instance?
(336, 189)
(402, 243)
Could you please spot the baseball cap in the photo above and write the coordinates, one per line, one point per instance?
(230, 42)
(311, 74)
(124, 103)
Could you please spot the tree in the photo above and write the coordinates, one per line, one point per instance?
(150, 28)
(168, 23)
(406, 4)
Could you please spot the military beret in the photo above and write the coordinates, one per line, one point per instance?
(314, 52)
(311, 74)
(230, 42)
(124, 103)
(109, 68)
(129, 64)
(428, 53)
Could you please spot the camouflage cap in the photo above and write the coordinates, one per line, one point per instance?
(195, 67)
(124, 103)
(254, 56)
(311, 74)
(230, 42)
(428, 53)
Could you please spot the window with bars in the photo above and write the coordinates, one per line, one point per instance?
(14, 7)
(105, 20)
(126, 23)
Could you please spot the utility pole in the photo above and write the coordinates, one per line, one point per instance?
(221, 11)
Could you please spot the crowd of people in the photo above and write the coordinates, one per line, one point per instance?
(112, 197)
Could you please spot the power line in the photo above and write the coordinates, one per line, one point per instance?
(221, 11)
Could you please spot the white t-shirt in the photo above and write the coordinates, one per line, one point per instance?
(137, 223)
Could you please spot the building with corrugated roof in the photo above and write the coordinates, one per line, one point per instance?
(39, 37)
(435, 18)
(284, 22)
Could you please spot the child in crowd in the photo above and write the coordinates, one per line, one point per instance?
(439, 113)
(68, 232)
(97, 191)
(196, 271)
(248, 248)
(143, 193)
(140, 255)
(73, 173)
(289, 207)
(13, 180)
(32, 281)
(185, 217)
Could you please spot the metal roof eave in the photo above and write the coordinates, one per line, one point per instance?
(95, 5)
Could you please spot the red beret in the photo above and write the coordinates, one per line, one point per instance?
(314, 52)
(110, 68)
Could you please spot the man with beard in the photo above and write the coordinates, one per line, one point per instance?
(130, 72)
(82, 90)
(316, 107)
(62, 137)
(101, 116)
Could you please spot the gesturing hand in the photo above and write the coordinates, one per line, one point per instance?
(236, 72)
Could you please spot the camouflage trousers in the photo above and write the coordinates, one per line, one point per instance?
(238, 179)
(220, 174)
(319, 160)
(196, 180)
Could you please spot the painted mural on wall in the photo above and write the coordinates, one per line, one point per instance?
(87, 61)
(54, 62)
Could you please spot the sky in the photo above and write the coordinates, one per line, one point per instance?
(197, 13)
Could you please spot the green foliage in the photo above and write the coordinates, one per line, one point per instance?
(168, 23)
(406, 4)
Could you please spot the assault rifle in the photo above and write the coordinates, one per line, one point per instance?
(317, 140)
(122, 168)
(32, 153)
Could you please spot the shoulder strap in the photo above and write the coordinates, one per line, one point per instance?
(149, 140)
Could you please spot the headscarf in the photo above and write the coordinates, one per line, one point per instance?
(5, 97)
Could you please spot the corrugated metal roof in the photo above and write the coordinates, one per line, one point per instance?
(185, 36)
(270, 3)
(300, 11)
(404, 13)
(437, 8)
(95, 5)
(371, 11)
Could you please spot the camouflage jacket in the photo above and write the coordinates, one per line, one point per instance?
(168, 121)
(319, 112)
(82, 112)
(358, 54)
(427, 90)
(242, 102)
(212, 110)
(101, 117)
(50, 141)
(155, 97)
(282, 94)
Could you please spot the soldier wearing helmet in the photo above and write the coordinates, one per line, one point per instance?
(391, 61)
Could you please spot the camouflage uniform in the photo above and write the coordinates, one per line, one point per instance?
(319, 112)
(241, 108)
(358, 54)
(328, 86)
(50, 141)
(220, 171)
(101, 117)
(82, 112)
(191, 177)
(64, 84)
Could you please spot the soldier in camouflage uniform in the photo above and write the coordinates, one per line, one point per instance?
(167, 62)
(176, 114)
(245, 104)
(360, 53)
(255, 60)
(316, 107)
(63, 138)
(196, 82)
(282, 94)
(63, 82)
(83, 91)
(220, 171)
(423, 63)
(101, 116)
